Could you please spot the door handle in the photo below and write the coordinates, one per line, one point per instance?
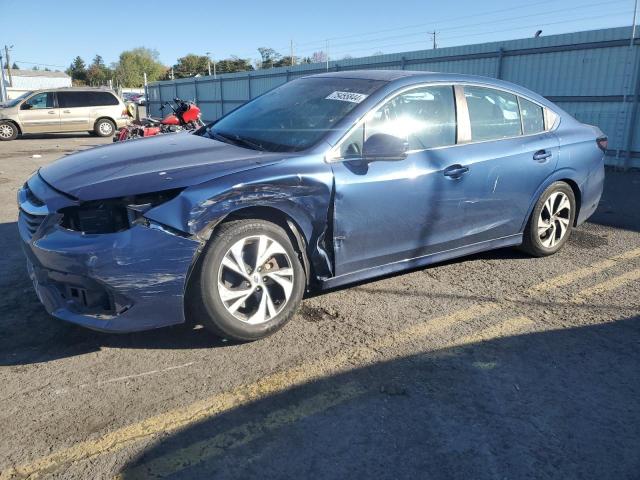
(455, 171)
(66, 111)
(51, 112)
(541, 155)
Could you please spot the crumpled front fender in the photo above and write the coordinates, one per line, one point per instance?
(301, 188)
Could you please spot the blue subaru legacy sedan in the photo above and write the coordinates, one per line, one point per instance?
(326, 180)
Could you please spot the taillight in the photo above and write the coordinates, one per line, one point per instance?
(603, 143)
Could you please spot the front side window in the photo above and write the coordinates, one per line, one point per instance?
(425, 117)
(39, 101)
(292, 117)
(493, 114)
(532, 117)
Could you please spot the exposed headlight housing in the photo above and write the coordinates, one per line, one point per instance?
(113, 215)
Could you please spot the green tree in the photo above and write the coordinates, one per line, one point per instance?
(191, 65)
(233, 64)
(77, 71)
(268, 57)
(283, 62)
(98, 73)
(15, 66)
(130, 68)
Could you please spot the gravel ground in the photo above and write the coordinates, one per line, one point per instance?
(493, 366)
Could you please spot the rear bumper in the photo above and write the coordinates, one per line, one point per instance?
(119, 282)
(591, 193)
(122, 122)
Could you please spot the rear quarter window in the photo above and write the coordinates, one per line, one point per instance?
(86, 99)
(532, 117)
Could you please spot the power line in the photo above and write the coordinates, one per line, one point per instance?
(318, 44)
(423, 42)
(469, 25)
(419, 25)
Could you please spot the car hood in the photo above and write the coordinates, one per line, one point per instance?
(149, 165)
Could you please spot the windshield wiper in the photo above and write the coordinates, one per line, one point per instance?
(236, 139)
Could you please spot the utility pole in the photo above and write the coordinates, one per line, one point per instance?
(172, 77)
(293, 59)
(327, 55)
(3, 88)
(6, 51)
(209, 62)
(433, 34)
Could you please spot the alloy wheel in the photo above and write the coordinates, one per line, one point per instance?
(255, 279)
(554, 219)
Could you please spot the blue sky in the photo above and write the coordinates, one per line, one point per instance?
(49, 32)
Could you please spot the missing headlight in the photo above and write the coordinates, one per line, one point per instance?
(112, 215)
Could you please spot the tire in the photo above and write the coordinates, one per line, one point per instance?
(104, 128)
(8, 131)
(219, 298)
(550, 224)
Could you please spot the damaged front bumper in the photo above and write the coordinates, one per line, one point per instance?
(117, 282)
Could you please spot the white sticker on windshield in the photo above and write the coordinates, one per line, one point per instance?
(347, 97)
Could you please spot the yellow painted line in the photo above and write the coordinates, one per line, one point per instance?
(210, 448)
(178, 418)
(581, 273)
(607, 285)
(174, 419)
(508, 328)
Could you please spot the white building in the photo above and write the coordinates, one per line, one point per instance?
(25, 80)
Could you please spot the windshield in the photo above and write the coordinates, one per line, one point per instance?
(293, 117)
(15, 101)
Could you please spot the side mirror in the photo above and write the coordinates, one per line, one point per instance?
(381, 146)
(26, 106)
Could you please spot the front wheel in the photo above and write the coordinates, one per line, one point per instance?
(8, 131)
(551, 221)
(104, 127)
(251, 281)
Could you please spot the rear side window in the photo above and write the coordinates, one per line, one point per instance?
(532, 117)
(493, 114)
(73, 99)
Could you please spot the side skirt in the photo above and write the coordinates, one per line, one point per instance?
(411, 263)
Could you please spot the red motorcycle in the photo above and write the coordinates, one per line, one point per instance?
(186, 116)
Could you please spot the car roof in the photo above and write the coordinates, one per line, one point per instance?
(74, 89)
(409, 77)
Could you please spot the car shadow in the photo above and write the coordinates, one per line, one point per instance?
(46, 136)
(552, 404)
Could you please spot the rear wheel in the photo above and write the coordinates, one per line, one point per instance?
(251, 281)
(104, 127)
(8, 131)
(551, 221)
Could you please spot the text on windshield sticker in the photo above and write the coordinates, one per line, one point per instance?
(347, 97)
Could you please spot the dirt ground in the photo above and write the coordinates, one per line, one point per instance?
(496, 366)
